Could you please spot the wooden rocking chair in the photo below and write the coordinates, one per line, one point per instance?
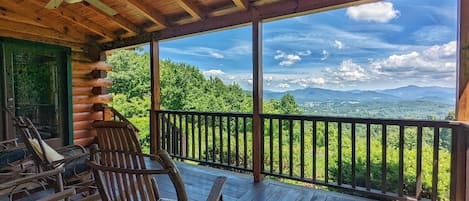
(72, 157)
(120, 170)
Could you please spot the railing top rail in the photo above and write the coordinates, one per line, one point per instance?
(234, 114)
(405, 122)
(402, 122)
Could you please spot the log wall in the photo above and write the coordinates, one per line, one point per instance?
(89, 84)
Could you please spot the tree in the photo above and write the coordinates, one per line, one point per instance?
(130, 74)
(288, 105)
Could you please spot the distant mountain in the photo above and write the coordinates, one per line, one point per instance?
(411, 92)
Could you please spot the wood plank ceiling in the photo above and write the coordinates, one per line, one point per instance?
(81, 24)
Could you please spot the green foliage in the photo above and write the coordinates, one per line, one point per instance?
(130, 74)
(131, 107)
(288, 105)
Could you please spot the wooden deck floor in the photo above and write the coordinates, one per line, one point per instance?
(199, 179)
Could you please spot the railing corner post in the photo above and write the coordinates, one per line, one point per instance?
(257, 143)
(155, 135)
(459, 164)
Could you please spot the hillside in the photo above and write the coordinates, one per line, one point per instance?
(411, 92)
(409, 102)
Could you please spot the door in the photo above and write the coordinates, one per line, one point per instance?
(35, 86)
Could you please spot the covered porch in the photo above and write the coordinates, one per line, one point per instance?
(248, 143)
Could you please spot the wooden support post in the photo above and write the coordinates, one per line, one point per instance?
(459, 156)
(257, 99)
(462, 111)
(459, 164)
(155, 97)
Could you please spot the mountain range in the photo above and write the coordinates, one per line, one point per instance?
(407, 93)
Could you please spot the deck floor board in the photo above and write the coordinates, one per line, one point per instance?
(199, 179)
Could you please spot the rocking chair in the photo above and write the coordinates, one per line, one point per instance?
(72, 158)
(120, 170)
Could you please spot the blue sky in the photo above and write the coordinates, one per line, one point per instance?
(374, 46)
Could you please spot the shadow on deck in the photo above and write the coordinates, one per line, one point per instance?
(199, 179)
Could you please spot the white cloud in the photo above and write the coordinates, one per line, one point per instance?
(213, 73)
(240, 48)
(350, 71)
(435, 59)
(339, 44)
(441, 51)
(286, 59)
(216, 55)
(433, 34)
(434, 64)
(381, 12)
(195, 51)
(325, 55)
(283, 86)
(308, 81)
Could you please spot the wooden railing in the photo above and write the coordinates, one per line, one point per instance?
(218, 139)
(380, 158)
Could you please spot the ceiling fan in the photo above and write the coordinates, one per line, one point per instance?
(96, 3)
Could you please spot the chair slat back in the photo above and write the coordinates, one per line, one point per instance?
(28, 134)
(123, 185)
(116, 135)
(122, 138)
(119, 145)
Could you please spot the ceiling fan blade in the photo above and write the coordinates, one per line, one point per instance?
(73, 1)
(103, 7)
(53, 4)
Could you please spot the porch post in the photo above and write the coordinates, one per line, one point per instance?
(459, 160)
(257, 98)
(462, 107)
(155, 96)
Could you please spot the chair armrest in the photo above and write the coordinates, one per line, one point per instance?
(59, 196)
(9, 143)
(152, 157)
(31, 178)
(217, 188)
(14, 140)
(93, 165)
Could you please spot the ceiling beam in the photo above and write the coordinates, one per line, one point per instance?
(281, 9)
(79, 20)
(34, 14)
(119, 20)
(148, 12)
(241, 4)
(191, 8)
